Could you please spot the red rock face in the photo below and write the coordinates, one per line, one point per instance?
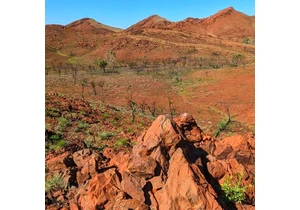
(174, 165)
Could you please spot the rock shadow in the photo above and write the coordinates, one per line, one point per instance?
(198, 156)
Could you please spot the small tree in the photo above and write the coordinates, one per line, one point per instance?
(101, 84)
(143, 106)
(91, 69)
(94, 87)
(152, 108)
(132, 105)
(223, 124)
(102, 64)
(133, 108)
(172, 108)
(111, 58)
(83, 84)
(201, 62)
(74, 73)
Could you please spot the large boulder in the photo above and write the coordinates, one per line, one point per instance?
(182, 189)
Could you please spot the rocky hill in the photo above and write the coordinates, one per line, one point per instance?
(154, 21)
(155, 39)
(90, 24)
(171, 165)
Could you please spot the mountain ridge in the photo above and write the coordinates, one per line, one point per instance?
(155, 37)
(156, 21)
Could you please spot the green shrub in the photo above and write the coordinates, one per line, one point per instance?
(82, 125)
(223, 125)
(55, 137)
(105, 135)
(130, 130)
(84, 113)
(122, 142)
(234, 191)
(246, 40)
(101, 147)
(89, 142)
(54, 182)
(58, 145)
(63, 122)
(53, 112)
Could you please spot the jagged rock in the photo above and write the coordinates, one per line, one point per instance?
(122, 202)
(251, 141)
(157, 182)
(57, 163)
(163, 132)
(216, 170)
(153, 203)
(182, 190)
(73, 206)
(223, 150)
(244, 207)
(133, 186)
(189, 127)
(239, 148)
(142, 166)
(120, 160)
(87, 163)
(172, 166)
(101, 189)
(237, 142)
(161, 156)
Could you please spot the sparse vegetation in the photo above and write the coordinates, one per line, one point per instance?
(62, 124)
(133, 108)
(234, 191)
(122, 142)
(83, 84)
(247, 40)
(158, 69)
(104, 135)
(82, 125)
(74, 73)
(57, 145)
(172, 108)
(89, 142)
(102, 64)
(101, 84)
(111, 58)
(54, 182)
(237, 59)
(223, 124)
(94, 87)
(52, 112)
(152, 108)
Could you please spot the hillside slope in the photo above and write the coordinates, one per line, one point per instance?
(213, 39)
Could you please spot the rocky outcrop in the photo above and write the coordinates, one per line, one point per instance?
(174, 165)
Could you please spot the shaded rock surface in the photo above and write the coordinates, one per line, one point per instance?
(174, 165)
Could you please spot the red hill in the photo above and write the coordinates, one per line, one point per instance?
(153, 21)
(89, 24)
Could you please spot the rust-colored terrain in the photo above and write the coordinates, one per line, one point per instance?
(102, 127)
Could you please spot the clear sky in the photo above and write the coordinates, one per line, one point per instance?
(122, 14)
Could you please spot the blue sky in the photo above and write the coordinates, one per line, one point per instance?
(122, 14)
